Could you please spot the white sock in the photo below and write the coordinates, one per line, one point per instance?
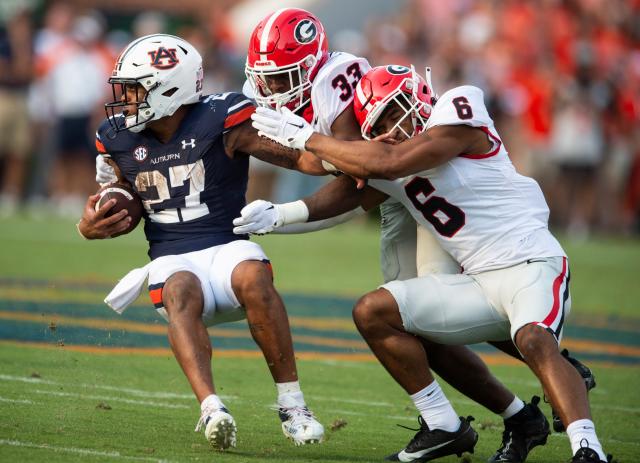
(582, 433)
(290, 394)
(288, 388)
(435, 408)
(513, 408)
(211, 402)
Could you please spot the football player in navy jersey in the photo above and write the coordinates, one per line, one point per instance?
(186, 155)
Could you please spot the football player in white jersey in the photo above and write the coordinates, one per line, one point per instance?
(444, 160)
(289, 65)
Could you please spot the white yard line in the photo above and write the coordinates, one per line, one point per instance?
(79, 451)
(111, 399)
(351, 401)
(17, 401)
(390, 417)
(24, 379)
(126, 390)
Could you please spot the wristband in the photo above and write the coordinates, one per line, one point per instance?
(295, 212)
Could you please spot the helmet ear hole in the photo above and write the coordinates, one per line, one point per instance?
(170, 92)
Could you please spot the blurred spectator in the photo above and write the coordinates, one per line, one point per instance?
(149, 22)
(15, 133)
(577, 150)
(57, 23)
(73, 85)
(562, 81)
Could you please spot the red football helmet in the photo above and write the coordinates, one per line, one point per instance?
(288, 47)
(393, 84)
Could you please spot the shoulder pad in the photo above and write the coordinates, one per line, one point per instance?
(333, 88)
(461, 105)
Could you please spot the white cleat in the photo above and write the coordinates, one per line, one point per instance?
(299, 424)
(219, 428)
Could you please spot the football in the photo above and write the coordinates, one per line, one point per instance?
(126, 198)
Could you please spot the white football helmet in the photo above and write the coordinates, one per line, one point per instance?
(170, 70)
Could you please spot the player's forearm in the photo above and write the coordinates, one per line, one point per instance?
(309, 227)
(335, 198)
(361, 159)
(310, 164)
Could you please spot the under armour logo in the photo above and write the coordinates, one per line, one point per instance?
(191, 144)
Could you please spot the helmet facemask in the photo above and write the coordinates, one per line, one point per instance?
(296, 74)
(120, 104)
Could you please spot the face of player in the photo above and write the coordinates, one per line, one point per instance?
(389, 119)
(281, 83)
(132, 95)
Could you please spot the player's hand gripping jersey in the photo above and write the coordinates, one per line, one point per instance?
(483, 213)
(190, 188)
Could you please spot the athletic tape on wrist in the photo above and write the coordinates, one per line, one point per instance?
(295, 212)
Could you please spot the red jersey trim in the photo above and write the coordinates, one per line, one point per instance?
(489, 154)
(239, 117)
(100, 147)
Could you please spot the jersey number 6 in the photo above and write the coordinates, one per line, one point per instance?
(419, 190)
(463, 108)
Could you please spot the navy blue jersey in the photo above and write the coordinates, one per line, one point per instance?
(190, 188)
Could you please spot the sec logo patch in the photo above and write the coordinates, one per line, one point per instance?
(140, 153)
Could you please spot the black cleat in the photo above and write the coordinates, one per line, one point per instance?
(428, 445)
(525, 430)
(587, 455)
(589, 382)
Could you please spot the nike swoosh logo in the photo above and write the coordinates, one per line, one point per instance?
(406, 456)
(296, 125)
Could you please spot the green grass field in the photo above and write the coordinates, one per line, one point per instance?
(80, 383)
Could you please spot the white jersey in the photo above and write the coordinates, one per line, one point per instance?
(483, 213)
(333, 88)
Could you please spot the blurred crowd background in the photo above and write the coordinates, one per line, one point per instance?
(561, 80)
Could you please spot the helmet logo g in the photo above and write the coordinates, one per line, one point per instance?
(397, 70)
(159, 56)
(305, 31)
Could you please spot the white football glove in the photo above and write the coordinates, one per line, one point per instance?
(258, 217)
(104, 172)
(283, 127)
